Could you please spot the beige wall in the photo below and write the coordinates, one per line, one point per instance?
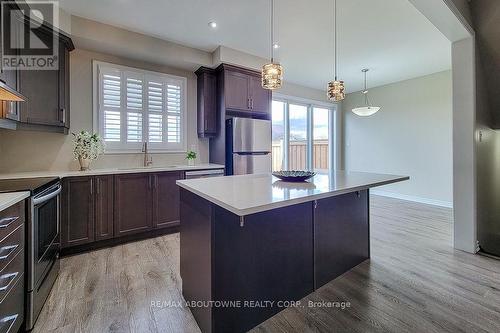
(411, 135)
(32, 151)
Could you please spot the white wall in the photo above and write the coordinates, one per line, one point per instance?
(411, 135)
(33, 151)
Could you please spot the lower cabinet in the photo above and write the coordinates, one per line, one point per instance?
(166, 199)
(77, 211)
(341, 226)
(133, 207)
(87, 210)
(96, 208)
(12, 249)
(146, 201)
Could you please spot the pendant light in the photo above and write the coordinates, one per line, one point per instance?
(368, 109)
(272, 73)
(336, 88)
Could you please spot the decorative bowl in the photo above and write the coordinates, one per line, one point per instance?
(294, 175)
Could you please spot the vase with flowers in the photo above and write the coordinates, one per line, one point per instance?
(86, 148)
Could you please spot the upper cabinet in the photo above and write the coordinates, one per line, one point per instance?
(47, 93)
(242, 90)
(229, 89)
(207, 102)
(46, 107)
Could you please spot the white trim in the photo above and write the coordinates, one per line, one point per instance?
(413, 198)
(146, 74)
(302, 101)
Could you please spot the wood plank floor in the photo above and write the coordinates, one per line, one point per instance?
(414, 282)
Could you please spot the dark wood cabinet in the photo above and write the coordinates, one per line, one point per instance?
(242, 90)
(97, 208)
(236, 91)
(260, 98)
(77, 220)
(207, 102)
(47, 93)
(341, 226)
(166, 199)
(104, 207)
(133, 205)
(87, 210)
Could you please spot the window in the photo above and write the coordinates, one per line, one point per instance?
(302, 135)
(297, 155)
(134, 106)
(321, 136)
(278, 134)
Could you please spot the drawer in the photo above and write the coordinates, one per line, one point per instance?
(10, 245)
(11, 218)
(12, 309)
(11, 274)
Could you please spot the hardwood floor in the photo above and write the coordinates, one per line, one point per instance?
(414, 282)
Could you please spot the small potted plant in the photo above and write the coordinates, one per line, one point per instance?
(87, 148)
(191, 157)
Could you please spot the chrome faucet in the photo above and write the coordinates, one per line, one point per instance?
(148, 159)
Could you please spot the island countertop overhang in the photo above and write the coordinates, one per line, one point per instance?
(249, 194)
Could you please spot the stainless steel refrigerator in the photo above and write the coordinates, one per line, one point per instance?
(248, 146)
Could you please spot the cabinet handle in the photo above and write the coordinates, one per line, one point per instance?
(63, 115)
(149, 183)
(6, 251)
(11, 277)
(91, 186)
(6, 222)
(248, 103)
(4, 321)
(251, 103)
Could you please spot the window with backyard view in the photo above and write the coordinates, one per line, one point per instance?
(301, 136)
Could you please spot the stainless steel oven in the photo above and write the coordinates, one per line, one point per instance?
(43, 249)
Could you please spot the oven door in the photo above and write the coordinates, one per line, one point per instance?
(45, 234)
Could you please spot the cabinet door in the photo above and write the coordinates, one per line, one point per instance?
(166, 199)
(41, 88)
(207, 102)
(260, 98)
(341, 235)
(236, 86)
(210, 101)
(103, 207)
(64, 85)
(77, 216)
(133, 207)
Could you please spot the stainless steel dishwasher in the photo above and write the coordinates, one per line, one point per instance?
(204, 173)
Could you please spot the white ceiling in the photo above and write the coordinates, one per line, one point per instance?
(388, 36)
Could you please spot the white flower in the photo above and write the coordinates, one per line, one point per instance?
(87, 146)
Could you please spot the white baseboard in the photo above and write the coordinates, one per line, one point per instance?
(406, 197)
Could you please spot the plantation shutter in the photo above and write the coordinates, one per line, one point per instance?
(138, 106)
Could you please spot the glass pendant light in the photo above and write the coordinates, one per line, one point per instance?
(272, 73)
(336, 88)
(368, 109)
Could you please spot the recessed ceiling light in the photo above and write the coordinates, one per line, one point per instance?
(212, 24)
(276, 46)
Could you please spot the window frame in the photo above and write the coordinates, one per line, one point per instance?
(123, 147)
(332, 129)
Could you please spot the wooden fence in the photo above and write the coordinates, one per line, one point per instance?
(298, 155)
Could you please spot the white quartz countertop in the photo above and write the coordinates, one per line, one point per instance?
(249, 194)
(111, 171)
(9, 199)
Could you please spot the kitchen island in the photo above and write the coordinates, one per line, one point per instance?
(252, 245)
